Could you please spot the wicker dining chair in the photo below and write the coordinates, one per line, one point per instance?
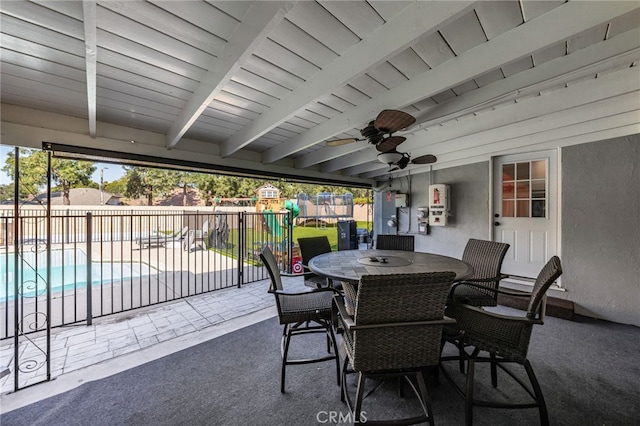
(301, 313)
(395, 331)
(309, 248)
(395, 242)
(486, 259)
(506, 340)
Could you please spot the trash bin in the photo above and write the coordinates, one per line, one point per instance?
(347, 239)
(363, 235)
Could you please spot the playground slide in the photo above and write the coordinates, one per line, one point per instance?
(273, 225)
(271, 220)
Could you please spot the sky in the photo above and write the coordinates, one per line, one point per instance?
(110, 172)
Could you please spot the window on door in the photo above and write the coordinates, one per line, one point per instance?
(524, 189)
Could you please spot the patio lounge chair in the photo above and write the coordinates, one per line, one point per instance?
(159, 240)
(197, 238)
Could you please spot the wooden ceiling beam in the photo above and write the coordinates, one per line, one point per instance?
(557, 25)
(89, 12)
(619, 125)
(412, 23)
(609, 54)
(259, 21)
(614, 93)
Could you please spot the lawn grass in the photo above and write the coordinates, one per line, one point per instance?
(331, 232)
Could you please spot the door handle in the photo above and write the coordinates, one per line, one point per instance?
(496, 223)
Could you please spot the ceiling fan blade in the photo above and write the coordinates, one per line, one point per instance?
(425, 159)
(394, 169)
(390, 143)
(404, 162)
(339, 142)
(391, 120)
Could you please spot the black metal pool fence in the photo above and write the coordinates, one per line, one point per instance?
(73, 266)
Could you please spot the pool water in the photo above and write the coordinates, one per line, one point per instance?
(68, 272)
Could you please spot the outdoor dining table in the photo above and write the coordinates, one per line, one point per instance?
(350, 265)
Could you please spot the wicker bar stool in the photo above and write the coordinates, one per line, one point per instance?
(309, 248)
(395, 331)
(301, 313)
(395, 242)
(486, 258)
(505, 339)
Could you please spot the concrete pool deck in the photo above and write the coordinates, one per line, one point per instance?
(176, 273)
(82, 353)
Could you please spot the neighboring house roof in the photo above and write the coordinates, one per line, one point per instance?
(22, 202)
(82, 196)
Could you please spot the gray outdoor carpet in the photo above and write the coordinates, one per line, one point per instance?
(587, 369)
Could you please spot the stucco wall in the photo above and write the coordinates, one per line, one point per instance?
(600, 223)
(601, 228)
(469, 208)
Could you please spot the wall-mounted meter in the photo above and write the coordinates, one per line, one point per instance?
(439, 199)
(423, 213)
(423, 220)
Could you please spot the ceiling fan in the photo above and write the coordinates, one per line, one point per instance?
(386, 123)
(379, 131)
(399, 160)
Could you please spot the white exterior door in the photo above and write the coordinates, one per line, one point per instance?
(526, 210)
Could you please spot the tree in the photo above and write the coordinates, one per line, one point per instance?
(217, 186)
(222, 186)
(6, 192)
(118, 186)
(66, 174)
(185, 180)
(148, 182)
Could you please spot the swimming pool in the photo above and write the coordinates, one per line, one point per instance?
(68, 272)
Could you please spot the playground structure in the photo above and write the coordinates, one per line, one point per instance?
(271, 225)
(275, 213)
(326, 208)
(269, 202)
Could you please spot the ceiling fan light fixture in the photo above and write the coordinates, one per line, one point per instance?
(389, 157)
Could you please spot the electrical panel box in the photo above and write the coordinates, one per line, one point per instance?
(423, 228)
(387, 208)
(439, 199)
(402, 200)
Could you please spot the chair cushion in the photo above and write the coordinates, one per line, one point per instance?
(315, 281)
(472, 296)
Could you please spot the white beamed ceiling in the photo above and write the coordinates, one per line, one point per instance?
(261, 86)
